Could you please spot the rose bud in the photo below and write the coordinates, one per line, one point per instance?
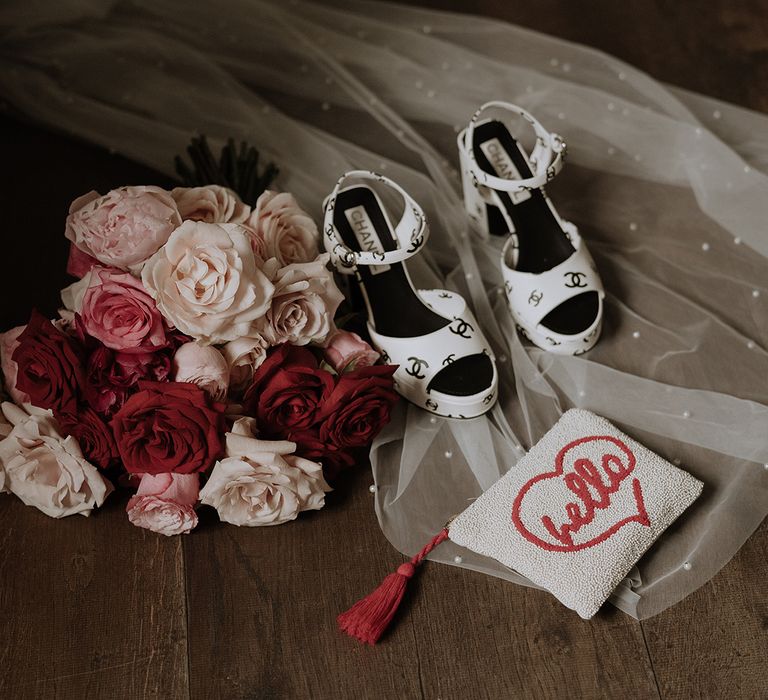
(204, 366)
(347, 351)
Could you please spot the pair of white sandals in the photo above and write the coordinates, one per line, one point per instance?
(445, 364)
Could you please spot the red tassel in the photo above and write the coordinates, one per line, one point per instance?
(369, 618)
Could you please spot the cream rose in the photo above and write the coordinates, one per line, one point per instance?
(244, 356)
(261, 482)
(165, 503)
(46, 470)
(304, 302)
(205, 282)
(9, 341)
(283, 229)
(124, 227)
(204, 366)
(212, 204)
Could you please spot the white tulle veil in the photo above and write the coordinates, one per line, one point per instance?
(668, 188)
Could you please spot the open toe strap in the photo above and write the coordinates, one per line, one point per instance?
(546, 158)
(411, 231)
(422, 359)
(532, 297)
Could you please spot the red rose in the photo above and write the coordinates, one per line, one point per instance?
(49, 366)
(110, 377)
(358, 408)
(93, 435)
(287, 392)
(310, 446)
(168, 427)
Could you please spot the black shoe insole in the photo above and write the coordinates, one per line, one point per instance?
(397, 309)
(542, 242)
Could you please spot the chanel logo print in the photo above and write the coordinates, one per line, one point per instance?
(416, 243)
(432, 405)
(575, 279)
(417, 365)
(463, 328)
(535, 298)
(445, 295)
(488, 399)
(449, 359)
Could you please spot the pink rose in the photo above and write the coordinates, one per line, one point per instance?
(117, 310)
(203, 365)
(79, 264)
(206, 282)
(165, 503)
(283, 229)
(347, 351)
(124, 227)
(212, 204)
(244, 356)
(9, 341)
(303, 305)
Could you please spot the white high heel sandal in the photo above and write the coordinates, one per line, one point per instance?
(554, 292)
(446, 366)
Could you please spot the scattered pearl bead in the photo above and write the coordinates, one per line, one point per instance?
(419, 84)
(431, 93)
(638, 157)
(747, 169)
(611, 106)
(553, 62)
(633, 226)
(611, 151)
(567, 67)
(716, 114)
(698, 131)
(582, 393)
(755, 293)
(448, 454)
(737, 240)
(456, 128)
(765, 466)
(469, 276)
(561, 115)
(502, 358)
(751, 345)
(686, 414)
(625, 112)
(635, 334)
(687, 566)
(457, 559)
(426, 29)
(433, 420)
(622, 76)
(325, 106)
(372, 488)
(705, 247)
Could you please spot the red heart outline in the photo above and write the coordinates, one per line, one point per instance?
(640, 517)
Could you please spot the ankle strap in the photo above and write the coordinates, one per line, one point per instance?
(411, 232)
(547, 157)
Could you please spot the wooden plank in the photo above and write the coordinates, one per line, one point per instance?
(91, 607)
(714, 644)
(481, 637)
(263, 603)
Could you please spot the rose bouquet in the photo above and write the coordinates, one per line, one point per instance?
(197, 348)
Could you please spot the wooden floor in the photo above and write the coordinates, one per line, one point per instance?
(96, 608)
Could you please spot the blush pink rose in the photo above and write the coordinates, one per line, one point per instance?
(303, 305)
(347, 351)
(283, 229)
(9, 341)
(213, 204)
(206, 282)
(244, 356)
(117, 310)
(204, 366)
(124, 227)
(165, 503)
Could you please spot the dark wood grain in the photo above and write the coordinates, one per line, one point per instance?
(263, 603)
(90, 607)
